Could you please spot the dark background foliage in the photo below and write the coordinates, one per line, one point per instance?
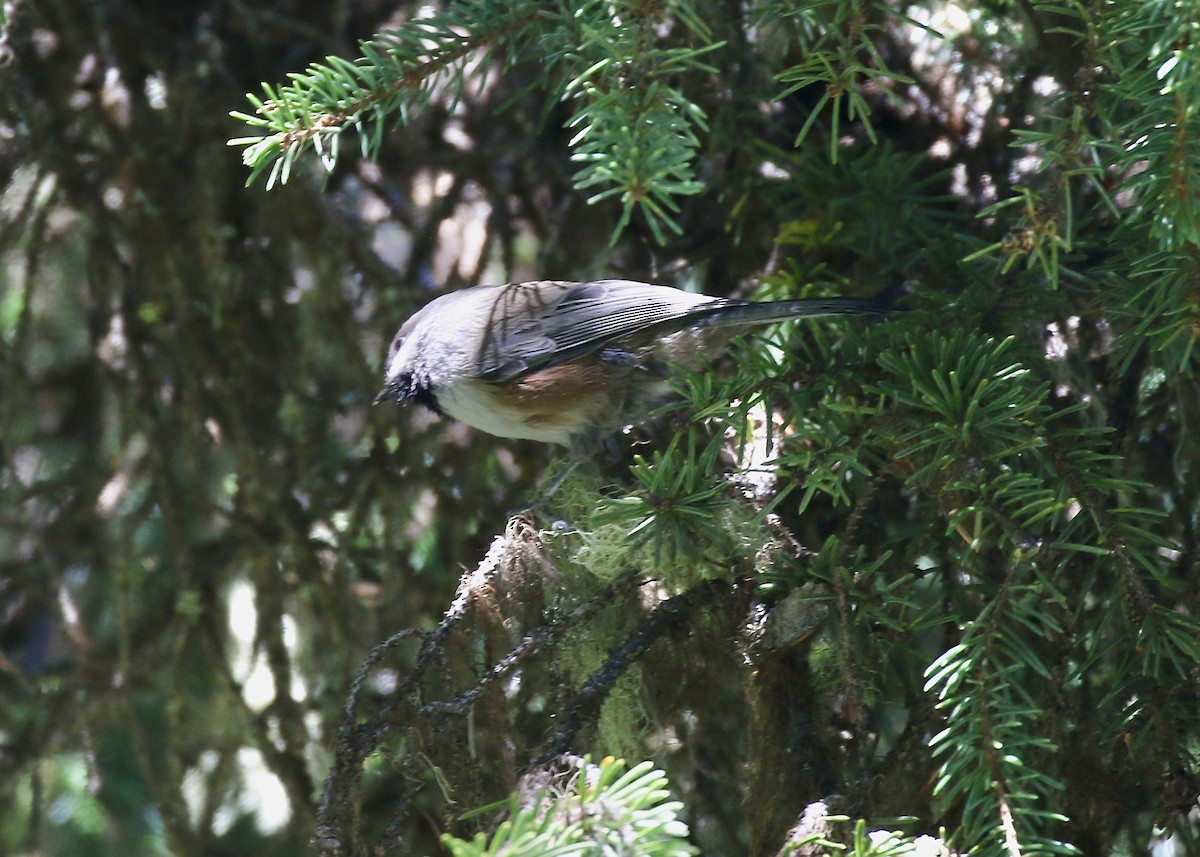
(205, 528)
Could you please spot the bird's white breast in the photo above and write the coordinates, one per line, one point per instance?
(479, 405)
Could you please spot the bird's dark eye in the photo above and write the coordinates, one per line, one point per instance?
(397, 341)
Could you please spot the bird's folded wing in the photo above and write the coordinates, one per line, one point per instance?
(583, 318)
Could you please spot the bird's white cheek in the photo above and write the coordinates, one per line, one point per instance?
(399, 360)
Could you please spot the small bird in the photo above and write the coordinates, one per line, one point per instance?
(565, 362)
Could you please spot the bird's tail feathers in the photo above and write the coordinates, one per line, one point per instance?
(753, 312)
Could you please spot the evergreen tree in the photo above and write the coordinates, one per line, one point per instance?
(931, 576)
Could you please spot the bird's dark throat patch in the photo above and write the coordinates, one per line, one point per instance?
(405, 388)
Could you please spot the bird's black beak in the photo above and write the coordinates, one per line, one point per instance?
(390, 391)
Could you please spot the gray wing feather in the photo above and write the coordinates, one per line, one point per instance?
(544, 324)
(583, 319)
